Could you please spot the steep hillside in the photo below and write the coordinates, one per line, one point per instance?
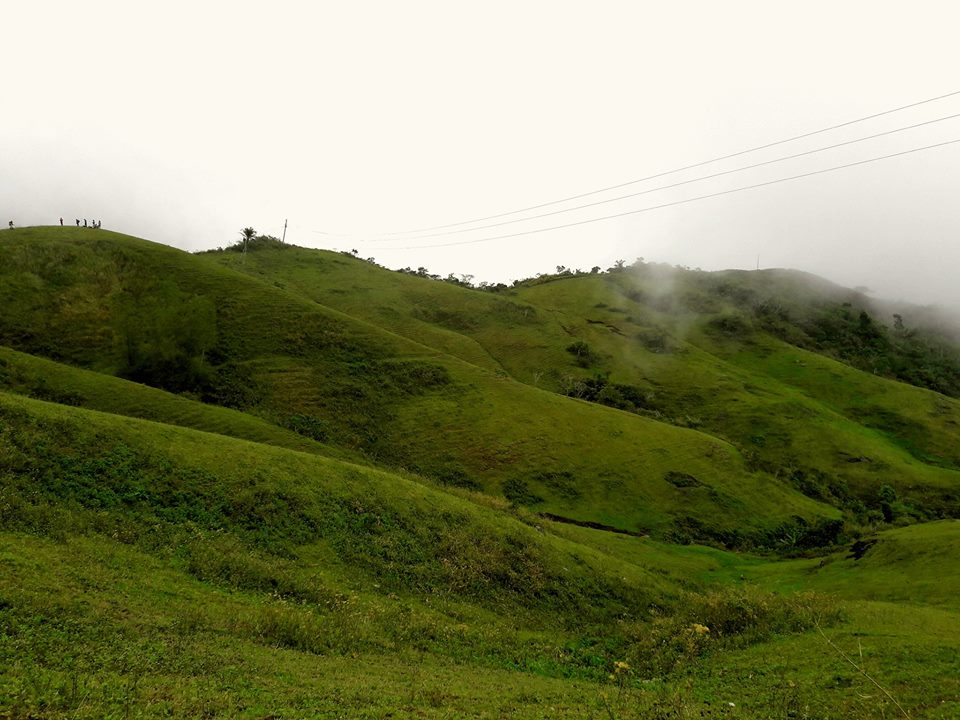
(74, 471)
(720, 352)
(833, 431)
(185, 323)
(55, 382)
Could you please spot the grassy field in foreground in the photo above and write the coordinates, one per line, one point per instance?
(93, 628)
(188, 574)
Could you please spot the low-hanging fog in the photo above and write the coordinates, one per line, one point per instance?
(183, 123)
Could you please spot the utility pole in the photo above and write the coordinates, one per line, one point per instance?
(283, 240)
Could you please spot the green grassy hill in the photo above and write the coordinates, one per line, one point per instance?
(909, 565)
(184, 323)
(683, 348)
(43, 379)
(159, 571)
(294, 484)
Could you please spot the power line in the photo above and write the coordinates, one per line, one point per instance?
(682, 202)
(383, 237)
(680, 169)
(328, 234)
(677, 184)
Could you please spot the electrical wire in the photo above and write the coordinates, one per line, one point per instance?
(680, 169)
(682, 202)
(677, 184)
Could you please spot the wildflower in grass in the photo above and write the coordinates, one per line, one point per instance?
(621, 670)
(700, 629)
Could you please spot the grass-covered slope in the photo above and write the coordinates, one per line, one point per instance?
(156, 571)
(710, 351)
(175, 550)
(187, 324)
(68, 470)
(222, 542)
(489, 330)
(915, 565)
(43, 379)
(834, 432)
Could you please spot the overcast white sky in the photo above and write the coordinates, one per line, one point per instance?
(183, 122)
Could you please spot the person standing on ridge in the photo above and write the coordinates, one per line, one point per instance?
(84, 222)
(61, 222)
(11, 224)
(78, 222)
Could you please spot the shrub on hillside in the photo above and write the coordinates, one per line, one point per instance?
(165, 335)
(655, 340)
(681, 479)
(308, 426)
(734, 325)
(232, 385)
(720, 619)
(518, 492)
(600, 390)
(585, 357)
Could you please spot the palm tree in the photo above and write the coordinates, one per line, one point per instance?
(248, 234)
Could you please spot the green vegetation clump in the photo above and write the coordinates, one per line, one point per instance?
(585, 357)
(600, 390)
(311, 427)
(518, 492)
(841, 330)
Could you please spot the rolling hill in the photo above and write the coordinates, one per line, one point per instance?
(658, 342)
(183, 323)
(291, 483)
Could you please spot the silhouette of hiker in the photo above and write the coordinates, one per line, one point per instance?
(61, 222)
(78, 222)
(11, 224)
(84, 222)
